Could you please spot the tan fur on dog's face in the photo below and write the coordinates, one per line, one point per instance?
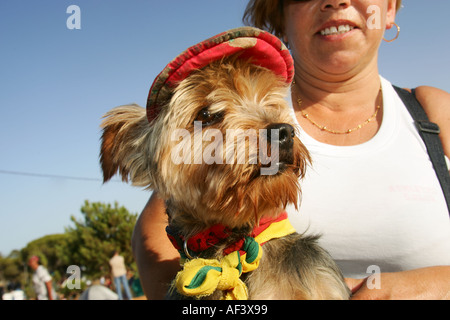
(225, 95)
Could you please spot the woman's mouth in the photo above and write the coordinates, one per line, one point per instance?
(336, 30)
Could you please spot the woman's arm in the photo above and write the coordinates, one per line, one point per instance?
(157, 260)
(432, 283)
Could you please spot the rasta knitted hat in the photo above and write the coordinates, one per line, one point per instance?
(260, 47)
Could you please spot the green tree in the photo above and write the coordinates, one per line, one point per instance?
(50, 250)
(11, 268)
(103, 229)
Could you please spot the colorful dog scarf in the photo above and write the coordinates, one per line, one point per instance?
(201, 277)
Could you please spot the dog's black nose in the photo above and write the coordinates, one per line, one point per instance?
(285, 134)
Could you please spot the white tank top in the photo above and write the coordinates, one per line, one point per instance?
(378, 203)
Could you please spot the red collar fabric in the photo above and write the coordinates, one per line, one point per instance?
(216, 234)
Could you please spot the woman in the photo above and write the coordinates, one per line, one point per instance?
(371, 190)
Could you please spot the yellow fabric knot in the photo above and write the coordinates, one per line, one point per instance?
(201, 277)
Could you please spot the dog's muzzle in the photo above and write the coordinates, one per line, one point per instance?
(283, 134)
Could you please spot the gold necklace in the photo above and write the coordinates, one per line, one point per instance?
(324, 128)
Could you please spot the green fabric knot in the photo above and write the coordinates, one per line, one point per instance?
(252, 248)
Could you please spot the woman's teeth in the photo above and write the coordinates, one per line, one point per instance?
(336, 30)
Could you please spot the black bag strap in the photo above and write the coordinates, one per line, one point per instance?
(429, 132)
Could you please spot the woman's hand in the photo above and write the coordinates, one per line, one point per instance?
(157, 260)
(432, 283)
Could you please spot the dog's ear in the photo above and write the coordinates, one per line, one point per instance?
(124, 145)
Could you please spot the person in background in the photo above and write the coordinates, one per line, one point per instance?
(42, 280)
(119, 273)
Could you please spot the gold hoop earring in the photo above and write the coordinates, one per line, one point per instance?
(396, 36)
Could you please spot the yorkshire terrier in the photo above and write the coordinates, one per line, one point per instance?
(224, 155)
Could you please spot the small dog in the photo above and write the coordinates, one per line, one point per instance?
(223, 153)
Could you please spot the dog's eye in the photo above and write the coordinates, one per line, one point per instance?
(207, 118)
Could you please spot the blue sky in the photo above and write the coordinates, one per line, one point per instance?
(56, 84)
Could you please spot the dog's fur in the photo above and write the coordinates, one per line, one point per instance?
(241, 96)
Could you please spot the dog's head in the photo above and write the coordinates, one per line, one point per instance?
(222, 148)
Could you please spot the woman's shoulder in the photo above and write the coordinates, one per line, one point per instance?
(436, 103)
